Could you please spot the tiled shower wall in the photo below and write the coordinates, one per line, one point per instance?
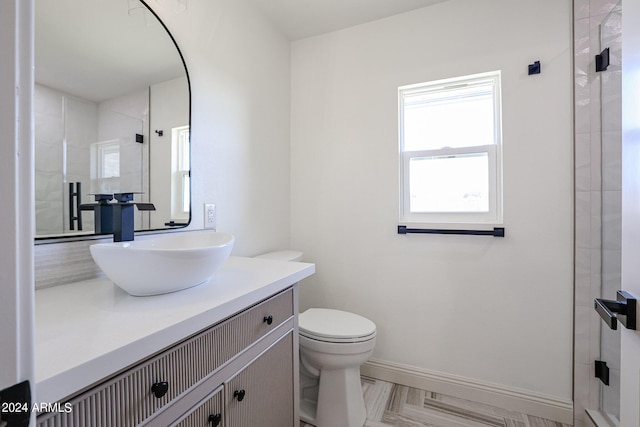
(597, 200)
(64, 124)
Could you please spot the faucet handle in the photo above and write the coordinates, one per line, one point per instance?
(123, 197)
(103, 197)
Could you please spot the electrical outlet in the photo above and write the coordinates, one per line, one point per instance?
(209, 215)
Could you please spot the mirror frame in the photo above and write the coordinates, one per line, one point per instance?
(96, 236)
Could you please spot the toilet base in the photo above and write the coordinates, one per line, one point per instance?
(308, 411)
(340, 401)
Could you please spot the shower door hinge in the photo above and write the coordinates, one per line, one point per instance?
(602, 371)
(602, 60)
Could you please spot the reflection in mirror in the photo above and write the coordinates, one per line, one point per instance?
(111, 114)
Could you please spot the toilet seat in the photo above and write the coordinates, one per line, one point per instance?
(335, 326)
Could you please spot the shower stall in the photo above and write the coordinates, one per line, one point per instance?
(609, 71)
(82, 149)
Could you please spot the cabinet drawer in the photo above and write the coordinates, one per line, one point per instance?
(138, 393)
(207, 413)
(261, 394)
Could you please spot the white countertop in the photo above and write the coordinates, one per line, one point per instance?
(89, 330)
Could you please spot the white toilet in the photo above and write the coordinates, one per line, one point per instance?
(333, 345)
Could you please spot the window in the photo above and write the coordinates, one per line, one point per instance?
(450, 151)
(104, 169)
(180, 176)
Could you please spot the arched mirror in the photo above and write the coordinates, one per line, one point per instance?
(112, 115)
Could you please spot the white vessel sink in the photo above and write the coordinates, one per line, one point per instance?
(166, 263)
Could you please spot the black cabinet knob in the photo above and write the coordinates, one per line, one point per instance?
(268, 319)
(160, 389)
(239, 394)
(214, 419)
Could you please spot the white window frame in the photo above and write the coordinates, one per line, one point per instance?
(180, 176)
(493, 151)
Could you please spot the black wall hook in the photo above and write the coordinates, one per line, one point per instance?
(160, 132)
(534, 68)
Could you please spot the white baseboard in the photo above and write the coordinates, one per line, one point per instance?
(549, 407)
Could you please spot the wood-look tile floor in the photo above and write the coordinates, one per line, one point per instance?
(400, 406)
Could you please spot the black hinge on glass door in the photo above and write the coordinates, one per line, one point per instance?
(15, 405)
(602, 60)
(602, 371)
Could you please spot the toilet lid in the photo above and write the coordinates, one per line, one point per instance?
(334, 325)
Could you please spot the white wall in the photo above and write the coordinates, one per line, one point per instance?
(170, 105)
(16, 186)
(491, 310)
(239, 70)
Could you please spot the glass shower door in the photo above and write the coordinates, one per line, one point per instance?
(611, 137)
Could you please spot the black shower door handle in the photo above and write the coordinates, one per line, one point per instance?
(623, 309)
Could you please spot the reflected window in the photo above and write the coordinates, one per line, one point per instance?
(105, 167)
(181, 166)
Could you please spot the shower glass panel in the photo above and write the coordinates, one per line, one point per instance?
(79, 142)
(611, 137)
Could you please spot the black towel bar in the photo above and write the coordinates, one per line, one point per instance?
(496, 232)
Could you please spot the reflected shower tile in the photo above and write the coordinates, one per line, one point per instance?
(47, 186)
(594, 330)
(581, 9)
(582, 375)
(596, 270)
(611, 401)
(595, 109)
(583, 219)
(581, 33)
(594, 391)
(612, 219)
(583, 278)
(601, 7)
(611, 100)
(611, 271)
(582, 162)
(582, 108)
(596, 220)
(596, 160)
(610, 345)
(49, 159)
(582, 335)
(612, 161)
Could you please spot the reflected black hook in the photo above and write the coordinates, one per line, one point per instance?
(160, 132)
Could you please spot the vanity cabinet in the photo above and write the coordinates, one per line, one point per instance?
(256, 399)
(251, 398)
(207, 413)
(239, 372)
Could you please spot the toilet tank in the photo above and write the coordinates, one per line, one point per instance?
(286, 255)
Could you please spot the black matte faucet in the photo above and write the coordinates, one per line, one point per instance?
(102, 213)
(115, 217)
(123, 222)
